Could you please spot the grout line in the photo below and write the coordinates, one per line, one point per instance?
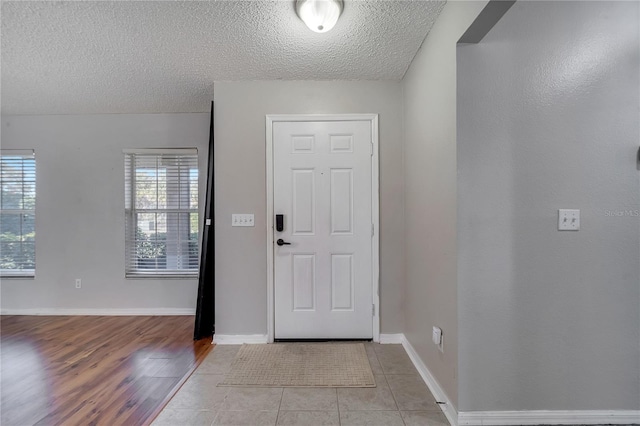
(394, 400)
(176, 388)
(215, 418)
(279, 406)
(384, 374)
(338, 406)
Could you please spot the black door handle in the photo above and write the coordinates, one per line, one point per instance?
(282, 242)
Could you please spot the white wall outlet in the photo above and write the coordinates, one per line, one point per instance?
(242, 220)
(568, 220)
(78, 283)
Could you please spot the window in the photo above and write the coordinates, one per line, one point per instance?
(17, 213)
(161, 212)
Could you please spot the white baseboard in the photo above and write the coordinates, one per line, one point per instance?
(391, 339)
(239, 339)
(550, 417)
(439, 394)
(503, 418)
(102, 312)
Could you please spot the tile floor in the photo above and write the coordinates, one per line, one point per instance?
(400, 398)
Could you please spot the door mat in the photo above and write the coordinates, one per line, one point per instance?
(301, 365)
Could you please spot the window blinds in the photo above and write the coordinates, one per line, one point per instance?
(17, 213)
(161, 212)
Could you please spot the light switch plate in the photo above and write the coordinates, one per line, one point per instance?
(242, 220)
(568, 220)
(436, 336)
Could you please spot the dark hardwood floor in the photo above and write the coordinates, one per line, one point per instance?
(85, 370)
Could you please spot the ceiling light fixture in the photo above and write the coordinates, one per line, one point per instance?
(319, 15)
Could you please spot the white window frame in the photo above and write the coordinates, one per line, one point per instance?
(20, 273)
(131, 216)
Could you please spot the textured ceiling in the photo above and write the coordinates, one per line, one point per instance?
(159, 56)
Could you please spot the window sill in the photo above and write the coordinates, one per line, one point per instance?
(136, 276)
(17, 277)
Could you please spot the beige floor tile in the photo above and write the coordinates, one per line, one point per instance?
(411, 393)
(219, 360)
(387, 348)
(376, 368)
(200, 401)
(169, 417)
(394, 360)
(360, 399)
(200, 393)
(224, 351)
(424, 418)
(370, 418)
(246, 418)
(214, 367)
(316, 399)
(370, 348)
(252, 399)
(309, 418)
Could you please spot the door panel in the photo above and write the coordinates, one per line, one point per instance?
(342, 282)
(322, 185)
(304, 200)
(341, 201)
(304, 282)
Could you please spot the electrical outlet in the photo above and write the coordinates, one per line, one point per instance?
(78, 283)
(568, 220)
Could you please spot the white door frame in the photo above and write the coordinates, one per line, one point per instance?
(375, 211)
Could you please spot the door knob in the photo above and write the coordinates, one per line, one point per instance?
(282, 242)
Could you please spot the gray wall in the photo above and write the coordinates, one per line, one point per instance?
(80, 210)
(430, 195)
(241, 107)
(548, 115)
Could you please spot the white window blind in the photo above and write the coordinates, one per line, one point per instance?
(161, 212)
(17, 213)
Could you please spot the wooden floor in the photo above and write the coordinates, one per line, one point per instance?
(93, 370)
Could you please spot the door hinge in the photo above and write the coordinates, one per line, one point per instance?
(373, 310)
(372, 149)
(372, 229)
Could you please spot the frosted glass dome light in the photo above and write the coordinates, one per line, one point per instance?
(319, 15)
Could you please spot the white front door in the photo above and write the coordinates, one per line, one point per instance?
(322, 173)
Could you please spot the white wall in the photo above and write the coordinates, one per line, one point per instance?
(80, 211)
(549, 118)
(430, 195)
(240, 170)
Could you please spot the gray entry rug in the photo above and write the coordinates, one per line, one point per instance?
(301, 365)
